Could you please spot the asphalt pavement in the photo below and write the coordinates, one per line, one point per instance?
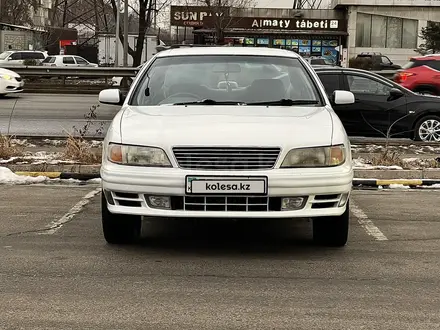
(51, 114)
(56, 271)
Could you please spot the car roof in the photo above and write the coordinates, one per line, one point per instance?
(221, 50)
(430, 57)
(25, 51)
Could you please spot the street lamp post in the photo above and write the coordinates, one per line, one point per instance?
(118, 14)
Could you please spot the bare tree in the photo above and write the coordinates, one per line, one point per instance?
(146, 10)
(222, 10)
(18, 11)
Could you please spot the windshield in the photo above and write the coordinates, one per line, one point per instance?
(4, 55)
(221, 78)
(409, 65)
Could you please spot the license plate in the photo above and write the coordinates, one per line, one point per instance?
(207, 185)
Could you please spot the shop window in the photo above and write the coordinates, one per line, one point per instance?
(410, 31)
(378, 28)
(385, 32)
(394, 32)
(363, 30)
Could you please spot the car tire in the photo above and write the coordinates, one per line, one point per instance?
(332, 231)
(119, 228)
(421, 122)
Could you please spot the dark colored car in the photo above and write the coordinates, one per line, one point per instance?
(379, 61)
(380, 104)
(421, 74)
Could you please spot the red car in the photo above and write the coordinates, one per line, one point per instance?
(421, 75)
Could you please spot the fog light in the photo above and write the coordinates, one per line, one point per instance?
(344, 199)
(292, 203)
(159, 202)
(109, 197)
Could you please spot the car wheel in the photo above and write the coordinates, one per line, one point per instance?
(119, 228)
(332, 231)
(428, 129)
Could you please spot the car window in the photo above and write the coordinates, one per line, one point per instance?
(39, 56)
(5, 55)
(68, 60)
(363, 85)
(385, 60)
(224, 78)
(80, 60)
(330, 81)
(434, 65)
(49, 59)
(414, 64)
(16, 56)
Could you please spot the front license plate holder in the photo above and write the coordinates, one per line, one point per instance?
(226, 185)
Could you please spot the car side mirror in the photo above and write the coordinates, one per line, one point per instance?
(395, 93)
(342, 97)
(111, 96)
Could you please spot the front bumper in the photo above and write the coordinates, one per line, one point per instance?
(323, 188)
(11, 86)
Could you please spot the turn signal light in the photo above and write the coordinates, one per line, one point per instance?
(115, 153)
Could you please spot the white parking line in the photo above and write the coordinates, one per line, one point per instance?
(366, 223)
(55, 225)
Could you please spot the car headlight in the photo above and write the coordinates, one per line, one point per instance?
(6, 77)
(136, 155)
(315, 157)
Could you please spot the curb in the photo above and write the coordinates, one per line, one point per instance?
(385, 183)
(61, 175)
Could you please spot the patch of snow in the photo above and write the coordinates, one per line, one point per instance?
(5, 161)
(398, 186)
(56, 143)
(97, 180)
(95, 144)
(22, 143)
(8, 177)
(434, 186)
(359, 164)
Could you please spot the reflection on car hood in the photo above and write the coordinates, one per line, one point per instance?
(9, 72)
(227, 125)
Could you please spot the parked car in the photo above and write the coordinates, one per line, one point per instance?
(380, 104)
(17, 57)
(421, 74)
(233, 142)
(10, 82)
(67, 60)
(379, 61)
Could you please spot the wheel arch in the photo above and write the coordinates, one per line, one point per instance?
(425, 113)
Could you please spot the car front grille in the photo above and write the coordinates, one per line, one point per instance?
(226, 203)
(226, 158)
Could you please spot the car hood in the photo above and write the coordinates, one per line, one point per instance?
(202, 125)
(9, 73)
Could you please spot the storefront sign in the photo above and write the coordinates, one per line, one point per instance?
(195, 16)
(289, 24)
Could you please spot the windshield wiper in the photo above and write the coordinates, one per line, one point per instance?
(286, 102)
(209, 102)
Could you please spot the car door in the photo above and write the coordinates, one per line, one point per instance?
(377, 109)
(15, 59)
(350, 117)
(69, 61)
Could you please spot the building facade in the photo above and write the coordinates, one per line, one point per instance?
(391, 27)
(320, 33)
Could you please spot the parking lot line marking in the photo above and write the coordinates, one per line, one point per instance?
(366, 223)
(54, 226)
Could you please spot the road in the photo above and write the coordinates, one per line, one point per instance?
(56, 272)
(50, 114)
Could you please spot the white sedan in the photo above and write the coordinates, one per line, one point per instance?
(10, 82)
(202, 134)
